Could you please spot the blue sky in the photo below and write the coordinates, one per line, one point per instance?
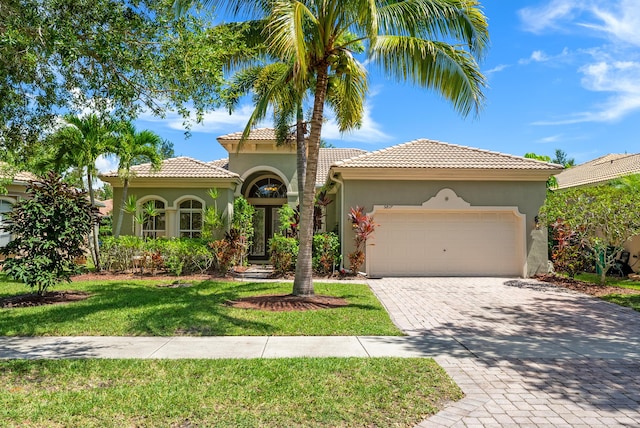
(562, 74)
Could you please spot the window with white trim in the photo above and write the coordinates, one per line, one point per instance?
(155, 221)
(190, 215)
(5, 207)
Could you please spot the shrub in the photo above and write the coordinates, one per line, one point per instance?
(177, 255)
(50, 230)
(568, 254)
(242, 228)
(363, 227)
(326, 252)
(283, 253)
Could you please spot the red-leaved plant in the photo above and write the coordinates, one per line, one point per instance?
(363, 227)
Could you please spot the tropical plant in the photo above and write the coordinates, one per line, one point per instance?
(214, 221)
(78, 143)
(326, 252)
(363, 227)
(129, 146)
(50, 230)
(568, 254)
(431, 43)
(282, 253)
(603, 219)
(242, 227)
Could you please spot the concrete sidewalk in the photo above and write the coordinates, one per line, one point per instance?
(227, 347)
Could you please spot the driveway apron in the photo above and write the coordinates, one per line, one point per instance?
(525, 353)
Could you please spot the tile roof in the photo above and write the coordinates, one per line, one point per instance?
(429, 154)
(329, 157)
(22, 176)
(268, 134)
(180, 167)
(326, 158)
(599, 170)
(220, 163)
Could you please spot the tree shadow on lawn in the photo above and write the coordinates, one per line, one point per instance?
(142, 309)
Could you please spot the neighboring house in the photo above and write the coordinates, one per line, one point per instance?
(441, 209)
(16, 184)
(601, 171)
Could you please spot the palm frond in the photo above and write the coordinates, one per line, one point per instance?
(447, 69)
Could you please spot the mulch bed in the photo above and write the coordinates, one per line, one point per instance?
(50, 298)
(584, 287)
(288, 302)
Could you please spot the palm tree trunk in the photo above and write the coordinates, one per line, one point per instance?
(303, 282)
(95, 251)
(301, 151)
(125, 190)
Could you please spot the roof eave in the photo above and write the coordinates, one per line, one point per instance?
(453, 174)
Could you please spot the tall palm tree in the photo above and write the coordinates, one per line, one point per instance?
(78, 143)
(132, 147)
(410, 40)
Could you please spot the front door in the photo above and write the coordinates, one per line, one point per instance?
(265, 224)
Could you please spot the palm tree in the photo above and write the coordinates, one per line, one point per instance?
(132, 147)
(410, 40)
(78, 143)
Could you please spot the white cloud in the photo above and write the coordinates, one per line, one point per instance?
(498, 68)
(538, 19)
(621, 79)
(106, 163)
(215, 121)
(618, 20)
(369, 132)
(541, 56)
(551, 139)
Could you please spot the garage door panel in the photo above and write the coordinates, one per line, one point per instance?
(445, 243)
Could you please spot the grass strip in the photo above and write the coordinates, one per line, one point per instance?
(141, 308)
(309, 392)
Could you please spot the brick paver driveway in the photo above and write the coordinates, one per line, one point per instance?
(525, 353)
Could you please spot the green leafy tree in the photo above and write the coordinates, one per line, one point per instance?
(130, 145)
(50, 230)
(115, 56)
(561, 158)
(552, 182)
(430, 43)
(78, 143)
(601, 219)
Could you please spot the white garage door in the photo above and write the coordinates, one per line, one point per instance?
(455, 243)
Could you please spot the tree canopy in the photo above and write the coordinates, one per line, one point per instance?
(601, 219)
(116, 56)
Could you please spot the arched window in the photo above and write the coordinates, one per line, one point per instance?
(269, 187)
(154, 224)
(5, 207)
(190, 219)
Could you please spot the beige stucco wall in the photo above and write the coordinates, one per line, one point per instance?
(527, 196)
(172, 197)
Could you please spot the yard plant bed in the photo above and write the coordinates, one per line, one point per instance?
(585, 287)
(288, 302)
(50, 298)
(309, 392)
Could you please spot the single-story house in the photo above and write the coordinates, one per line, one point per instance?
(600, 171)
(440, 209)
(15, 184)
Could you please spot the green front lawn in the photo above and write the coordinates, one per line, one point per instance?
(628, 300)
(611, 281)
(309, 392)
(140, 308)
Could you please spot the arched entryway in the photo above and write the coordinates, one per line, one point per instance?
(267, 193)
